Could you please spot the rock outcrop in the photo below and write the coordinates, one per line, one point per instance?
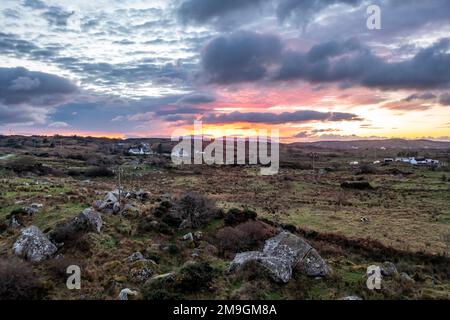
(282, 255)
(126, 293)
(92, 219)
(33, 245)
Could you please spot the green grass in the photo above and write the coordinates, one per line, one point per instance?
(48, 217)
(444, 218)
(5, 210)
(274, 296)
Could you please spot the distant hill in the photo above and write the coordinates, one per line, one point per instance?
(379, 144)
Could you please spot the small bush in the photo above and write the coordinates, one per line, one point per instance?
(27, 164)
(58, 267)
(246, 236)
(195, 276)
(3, 226)
(163, 209)
(148, 224)
(196, 209)
(173, 249)
(72, 233)
(18, 282)
(162, 289)
(74, 173)
(237, 216)
(367, 169)
(95, 172)
(358, 185)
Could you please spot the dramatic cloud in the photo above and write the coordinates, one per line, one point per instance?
(285, 117)
(197, 98)
(209, 11)
(242, 56)
(11, 115)
(429, 68)
(423, 96)
(246, 56)
(20, 86)
(201, 11)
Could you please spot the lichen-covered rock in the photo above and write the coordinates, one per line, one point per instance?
(125, 293)
(282, 255)
(136, 256)
(406, 278)
(352, 298)
(33, 245)
(108, 204)
(141, 275)
(188, 237)
(388, 269)
(91, 218)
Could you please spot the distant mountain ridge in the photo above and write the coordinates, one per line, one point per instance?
(379, 144)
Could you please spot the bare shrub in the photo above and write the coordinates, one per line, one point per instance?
(18, 282)
(58, 267)
(246, 236)
(94, 172)
(367, 169)
(236, 216)
(27, 164)
(196, 209)
(195, 276)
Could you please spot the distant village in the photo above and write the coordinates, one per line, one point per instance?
(416, 161)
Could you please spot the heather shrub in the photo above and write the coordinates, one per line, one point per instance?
(196, 209)
(236, 216)
(244, 237)
(195, 276)
(18, 282)
(94, 172)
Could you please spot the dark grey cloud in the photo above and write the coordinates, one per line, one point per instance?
(11, 44)
(285, 117)
(303, 134)
(246, 56)
(34, 4)
(213, 11)
(57, 16)
(241, 56)
(169, 110)
(21, 86)
(201, 11)
(197, 98)
(19, 114)
(429, 68)
(421, 96)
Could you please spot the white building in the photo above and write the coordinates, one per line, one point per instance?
(143, 149)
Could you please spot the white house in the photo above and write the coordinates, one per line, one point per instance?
(143, 149)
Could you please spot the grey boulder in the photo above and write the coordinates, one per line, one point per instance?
(33, 245)
(91, 218)
(388, 269)
(282, 255)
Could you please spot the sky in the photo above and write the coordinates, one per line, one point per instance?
(311, 69)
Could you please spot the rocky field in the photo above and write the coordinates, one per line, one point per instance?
(140, 228)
